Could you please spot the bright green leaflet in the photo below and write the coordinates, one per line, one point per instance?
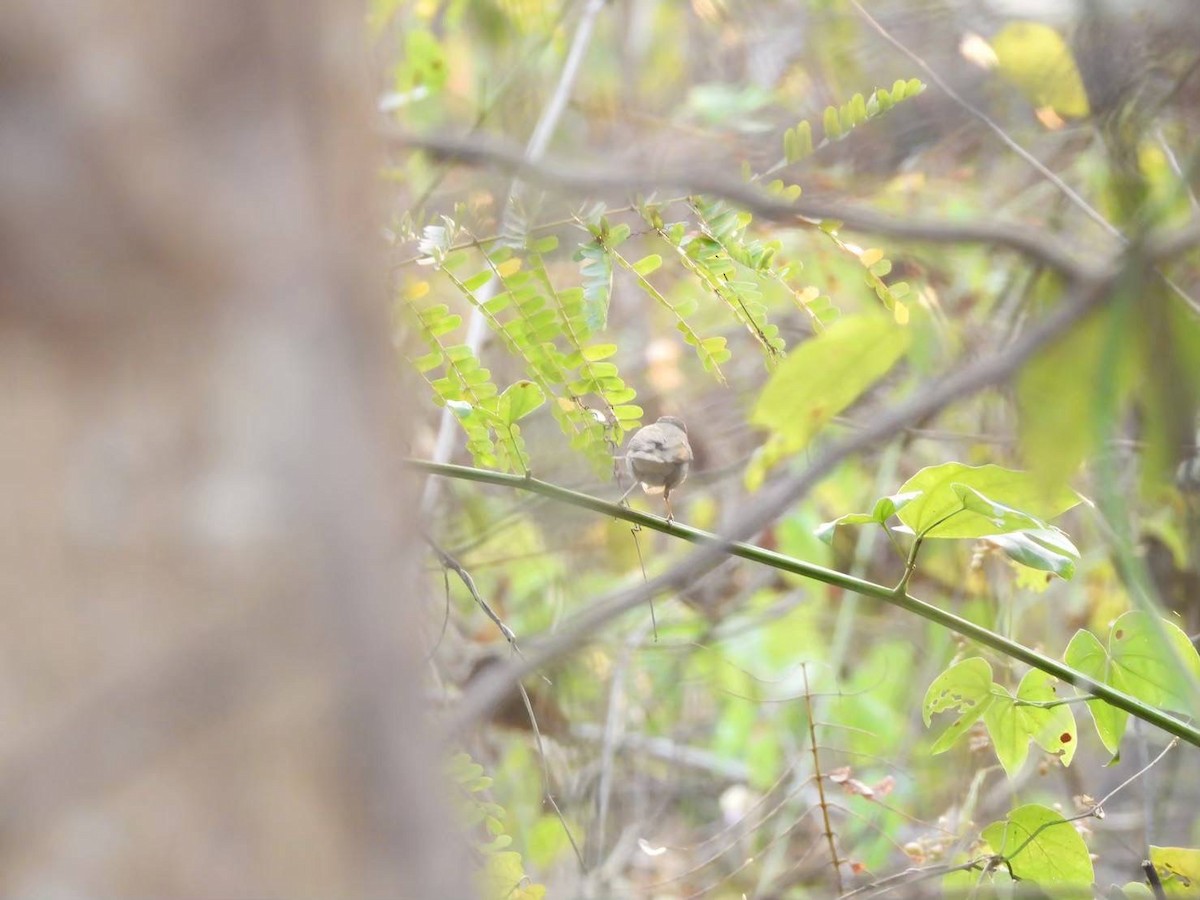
(519, 400)
(884, 509)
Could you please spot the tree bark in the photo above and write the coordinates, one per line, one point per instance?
(208, 665)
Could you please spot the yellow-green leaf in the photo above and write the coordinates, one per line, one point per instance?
(832, 124)
(597, 352)
(1041, 846)
(1012, 725)
(1179, 869)
(966, 688)
(940, 511)
(1036, 60)
(825, 374)
(509, 267)
(519, 400)
(647, 264)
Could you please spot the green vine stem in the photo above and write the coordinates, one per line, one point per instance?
(899, 598)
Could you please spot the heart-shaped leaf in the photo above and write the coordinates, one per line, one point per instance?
(1012, 725)
(1041, 846)
(940, 513)
(826, 374)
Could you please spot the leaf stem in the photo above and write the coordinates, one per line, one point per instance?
(910, 564)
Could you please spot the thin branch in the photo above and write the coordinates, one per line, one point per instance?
(633, 533)
(714, 857)
(445, 619)
(1065, 189)
(1042, 247)
(1177, 169)
(1156, 885)
(546, 791)
(608, 747)
(667, 750)
(816, 755)
(1098, 806)
(1049, 250)
(749, 860)
(907, 877)
(451, 564)
(566, 81)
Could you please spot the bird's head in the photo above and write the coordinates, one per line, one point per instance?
(673, 420)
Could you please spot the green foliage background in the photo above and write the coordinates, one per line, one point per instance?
(678, 752)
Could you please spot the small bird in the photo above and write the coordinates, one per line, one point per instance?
(658, 458)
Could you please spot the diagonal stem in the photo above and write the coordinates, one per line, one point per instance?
(753, 553)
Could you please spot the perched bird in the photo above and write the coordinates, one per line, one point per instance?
(658, 458)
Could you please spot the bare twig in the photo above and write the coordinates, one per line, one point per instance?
(450, 563)
(546, 784)
(1098, 807)
(1065, 189)
(445, 618)
(1042, 247)
(829, 835)
(1075, 265)
(613, 729)
(633, 533)
(667, 750)
(1177, 169)
(908, 877)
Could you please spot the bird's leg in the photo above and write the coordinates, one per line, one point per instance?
(667, 500)
(627, 493)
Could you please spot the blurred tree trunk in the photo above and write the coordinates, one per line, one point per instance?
(208, 662)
